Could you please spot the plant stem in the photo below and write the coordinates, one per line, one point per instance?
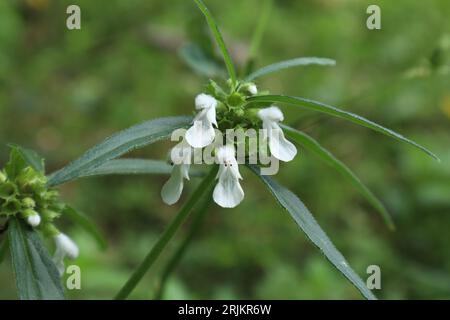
(197, 221)
(167, 235)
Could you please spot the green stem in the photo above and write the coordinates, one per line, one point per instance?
(197, 221)
(167, 235)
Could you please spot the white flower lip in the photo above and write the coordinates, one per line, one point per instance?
(181, 159)
(279, 146)
(228, 192)
(202, 131)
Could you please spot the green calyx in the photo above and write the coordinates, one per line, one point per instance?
(24, 193)
(233, 111)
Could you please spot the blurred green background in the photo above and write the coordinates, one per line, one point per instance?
(63, 91)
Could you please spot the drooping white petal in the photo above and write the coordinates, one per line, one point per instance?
(279, 146)
(202, 131)
(172, 189)
(228, 192)
(66, 246)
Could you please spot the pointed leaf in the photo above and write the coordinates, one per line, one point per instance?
(35, 273)
(31, 157)
(122, 142)
(219, 39)
(324, 108)
(86, 223)
(314, 232)
(303, 61)
(135, 166)
(311, 144)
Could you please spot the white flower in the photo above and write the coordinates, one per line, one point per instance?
(228, 192)
(279, 146)
(252, 89)
(34, 220)
(202, 132)
(181, 159)
(65, 247)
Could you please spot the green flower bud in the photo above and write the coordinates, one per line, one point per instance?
(3, 177)
(49, 215)
(236, 99)
(11, 206)
(28, 202)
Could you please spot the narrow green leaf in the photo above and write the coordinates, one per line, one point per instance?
(219, 39)
(202, 64)
(86, 223)
(311, 144)
(303, 61)
(136, 166)
(35, 273)
(122, 142)
(31, 157)
(314, 232)
(167, 235)
(324, 108)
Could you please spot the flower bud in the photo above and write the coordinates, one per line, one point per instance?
(32, 217)
(2, 177)
(28, 202)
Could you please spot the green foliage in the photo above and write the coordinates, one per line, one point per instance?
(35, 273)
(312, 145)
(324, 108)
(125, 141)
(313, 231)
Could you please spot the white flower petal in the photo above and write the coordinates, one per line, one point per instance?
(211, 116)
(280, 147)
(271, 114)
(228, 192)
(205, 101)
(66, 246)
(172, 189)
(252, 89)
(200, 134)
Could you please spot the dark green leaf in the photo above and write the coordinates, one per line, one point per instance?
(31, 157)
(314, 146)
(35, 273)
(86, 223)
(135, 166)
(15, 164)
(324, 108)
(311, 228)
(219, 39)
(303, 61)
(202, 64)
(122, 142)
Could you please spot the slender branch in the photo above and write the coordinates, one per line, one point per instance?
(171, 265)
(167, 235)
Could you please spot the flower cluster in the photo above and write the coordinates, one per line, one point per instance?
(24, 194)
(219, 112)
